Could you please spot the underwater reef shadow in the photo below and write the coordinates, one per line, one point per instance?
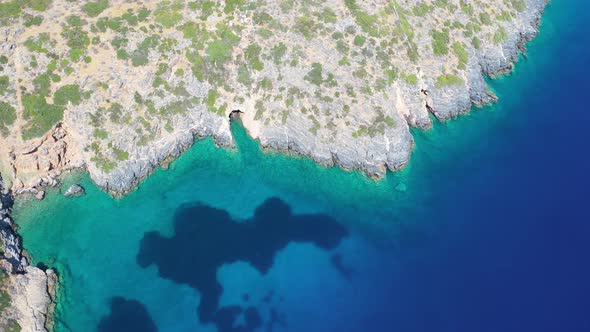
(127, 315)
(206, 238)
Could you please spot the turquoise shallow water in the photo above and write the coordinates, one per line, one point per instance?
(485, 230)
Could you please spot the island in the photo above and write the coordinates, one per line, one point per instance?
(117, 88)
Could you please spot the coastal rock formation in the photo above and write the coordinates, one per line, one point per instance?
(26, 292)
(32, 301)
(119, 87)
(74, 190)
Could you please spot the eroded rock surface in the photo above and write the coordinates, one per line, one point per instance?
(119, 87)
(74, 190)
(26, 292)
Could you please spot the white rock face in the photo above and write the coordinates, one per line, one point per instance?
(30, 289)
(340, 81)
(31, 298)
(74, 190)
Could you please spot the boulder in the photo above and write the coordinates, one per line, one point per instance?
(74, 191)
(40, 194)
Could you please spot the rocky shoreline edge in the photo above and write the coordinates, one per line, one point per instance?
(367, 156)
(444, 103)
(29, 290)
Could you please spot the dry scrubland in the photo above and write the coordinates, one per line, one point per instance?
(120, 86)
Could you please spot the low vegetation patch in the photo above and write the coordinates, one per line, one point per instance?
(94, 8)
(7, 117)
(448, 80)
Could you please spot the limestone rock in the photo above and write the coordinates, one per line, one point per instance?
(40, 194)
(75, 190)
(341, 82)
(30, 289)
(31, 298)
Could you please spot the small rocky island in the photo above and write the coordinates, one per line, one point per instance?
(118, 87)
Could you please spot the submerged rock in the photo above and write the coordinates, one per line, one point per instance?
(40, 194)
(74, 191)
(401, 187)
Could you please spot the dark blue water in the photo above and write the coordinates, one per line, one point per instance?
(491, 233)
(516, 254)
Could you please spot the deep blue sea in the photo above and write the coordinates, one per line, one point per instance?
(487, 229)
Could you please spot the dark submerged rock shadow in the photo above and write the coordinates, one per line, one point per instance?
(127, 315)
(206, 238)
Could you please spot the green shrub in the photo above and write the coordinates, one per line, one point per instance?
(218, 52)
(4, 300)
(67, 94)
(40, 115)
(7, 117)
(410, 79)
(140, 55)
(278, 52)
(38, 43)
(420, 9)
(448, 80)
(461, 54)
(440, 42)
(212, 97)
(94, 8)
(307, 27)
(314, 76)
(76, 37)
(42, 84)
(4, 83)
(519, 5)
(476, 42)
(101, 161)
(253, 57)
(500, 35)
(99, 133)
(244, 76)
(10, 9)
(75, 21)
(120, 154)
(466, 8)
(12, 326)
(122, 54)
(230, 5)
(31, 20)
(167, 16)
(359, 41)
(328, 15)
(485, 18)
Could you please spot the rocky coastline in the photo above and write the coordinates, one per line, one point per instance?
(369, 141)
(444, 103)
(30, 290)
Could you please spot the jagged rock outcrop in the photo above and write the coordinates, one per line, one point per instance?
(30, 289)
(74, 190)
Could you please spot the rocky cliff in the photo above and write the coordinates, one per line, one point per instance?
(26, 292)
(118, 87)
